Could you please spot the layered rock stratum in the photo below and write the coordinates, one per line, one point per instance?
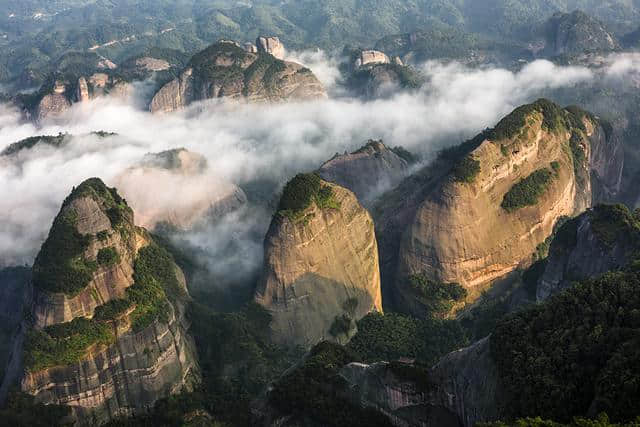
(321, 263)
(369, 171)
(227, 70)
(109, 334)
(480, 210)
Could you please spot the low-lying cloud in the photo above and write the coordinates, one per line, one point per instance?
(248, 143)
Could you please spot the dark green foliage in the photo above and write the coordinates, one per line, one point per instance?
(527, 191)
(60, 265)
(111, 310)
(554, 119)
(483, 317)
(466, 170)
(437, 298)
(238, 343)
(388, 337)
(64, 343)
(457, 152)
(108, 257)
(614, 223)
(313, 390)
(572, 354)
(20, 410)
(102, 235)
(154, 280)
(25, 144)
(341, 325)
(408, 156)
(555, 166)
(413, 373)
(301, 191)
(601, 420)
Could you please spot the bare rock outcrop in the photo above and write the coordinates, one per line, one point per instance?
(575, 33)
(368, 57)
(109, 333)
(320, 263)
(226, 70)
(271, 45)
(369, 171)
(600, 240)
(479, 218)
(209, 197)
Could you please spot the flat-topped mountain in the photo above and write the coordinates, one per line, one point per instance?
(228, 70)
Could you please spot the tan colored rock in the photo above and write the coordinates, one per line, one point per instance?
(52, 105)
(82, 94)
(271, 45)
(141, 366)
(314, 265)
(152, 64)
(368, 172)
(253, 78)
(460, 233)
(251, 48)
(368, 57)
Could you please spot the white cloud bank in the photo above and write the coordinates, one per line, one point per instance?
(248, 142)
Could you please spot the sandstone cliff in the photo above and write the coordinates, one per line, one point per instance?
(480, 211)
(321, 263)
(226, 70)
(208, 197)
(369, 171)
(600, 240)
(108, 336)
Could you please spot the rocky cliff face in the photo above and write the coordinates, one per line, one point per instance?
(209, 196)
(600, 240)
(369, 171)
(226, 70)
(321, 263)
(577, 32)
(109, 334)
(461, 390)
(481, 216)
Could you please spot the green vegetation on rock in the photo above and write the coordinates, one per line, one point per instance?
(64, 343)
(553, 119)
(108, 257)
(466, 170)
(574, 354)
(303, 190)
(436, 297)
(21, 410)
(154, 280)
(528, 190)
(309, 390)
(111, 310)
(388, 337)
(612, 223)
(61, 265)
(25, 144)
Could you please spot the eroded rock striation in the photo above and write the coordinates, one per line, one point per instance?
(369, 171)
(109, 334)
(321, 263)
(480, 211)
(227, 70)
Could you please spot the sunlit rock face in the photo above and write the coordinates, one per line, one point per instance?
(314, 264)
(95, 246)
(229, 71)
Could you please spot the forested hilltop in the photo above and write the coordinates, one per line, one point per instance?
(37, 32)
